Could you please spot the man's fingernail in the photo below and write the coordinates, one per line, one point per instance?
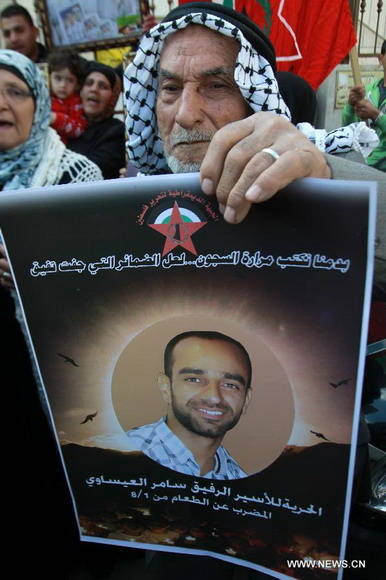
(253, 193)
(207, 186)
(230, 215)
(221, 207)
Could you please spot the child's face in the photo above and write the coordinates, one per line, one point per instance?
(63, 83)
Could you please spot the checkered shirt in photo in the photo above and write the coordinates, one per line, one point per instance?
(159, 443)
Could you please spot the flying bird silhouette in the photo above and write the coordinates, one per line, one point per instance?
(320, 435)
(89, 418)
(343, 382)
(68, 359)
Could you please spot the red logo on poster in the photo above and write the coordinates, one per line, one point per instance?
(178, 232)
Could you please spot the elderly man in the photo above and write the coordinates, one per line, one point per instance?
(201, 94)
(21, 34)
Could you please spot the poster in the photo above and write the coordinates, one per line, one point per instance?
(79, 22)
(108, 273)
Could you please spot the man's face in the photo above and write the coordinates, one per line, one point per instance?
(197, 94)
(208, 390)
(19, 35)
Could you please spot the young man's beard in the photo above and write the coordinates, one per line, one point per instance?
(204, 427)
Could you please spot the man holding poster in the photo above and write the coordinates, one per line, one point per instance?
(218, 110)
(207, 387)
(191, 96)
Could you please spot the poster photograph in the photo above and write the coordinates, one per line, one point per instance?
(202, 379)
(80, 22)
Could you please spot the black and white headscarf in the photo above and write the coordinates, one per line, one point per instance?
(253, 75)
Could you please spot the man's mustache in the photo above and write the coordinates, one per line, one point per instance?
(190, 136)
(210, 405)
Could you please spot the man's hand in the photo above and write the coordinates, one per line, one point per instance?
(366, 110)
(237, 170)
(356, 94)
(6, 279)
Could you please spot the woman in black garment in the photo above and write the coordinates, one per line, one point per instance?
(104, 139)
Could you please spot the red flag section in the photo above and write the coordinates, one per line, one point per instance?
(311, 37)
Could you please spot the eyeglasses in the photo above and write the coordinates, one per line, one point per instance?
(13, 94)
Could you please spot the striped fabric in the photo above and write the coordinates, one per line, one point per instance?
(159, 443)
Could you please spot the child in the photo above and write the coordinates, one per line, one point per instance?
(66, 72)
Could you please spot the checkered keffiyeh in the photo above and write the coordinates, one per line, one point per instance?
(253, 75)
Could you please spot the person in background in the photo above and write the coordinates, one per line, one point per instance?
(66, 75)
(368, 103)
(31, 152)
(21, 34)
(104, 139)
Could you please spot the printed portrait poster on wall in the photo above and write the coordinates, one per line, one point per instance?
(236, 439)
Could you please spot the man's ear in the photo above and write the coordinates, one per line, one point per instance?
(248, 397)
(165, 388)
(36, 32)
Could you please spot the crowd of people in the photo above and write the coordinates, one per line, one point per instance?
(84, 94)
(198, 112)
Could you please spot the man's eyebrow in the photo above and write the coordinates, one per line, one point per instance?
(218, 71)
(165, 74)
(235, 377)
(17, 28)
(211, 72)
(231, 376)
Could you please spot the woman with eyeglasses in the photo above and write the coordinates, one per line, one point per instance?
(31, 152)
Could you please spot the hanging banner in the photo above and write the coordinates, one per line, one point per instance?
(203, 379)
(310, 38)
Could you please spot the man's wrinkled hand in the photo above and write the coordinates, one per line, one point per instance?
(237, 170)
